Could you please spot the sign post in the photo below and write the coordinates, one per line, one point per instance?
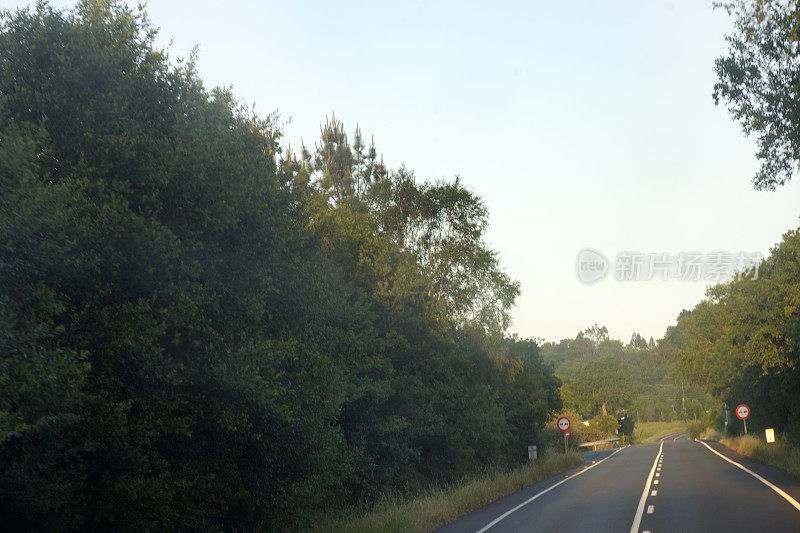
(564, 425)
(743, 413)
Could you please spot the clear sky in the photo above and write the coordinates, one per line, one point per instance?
(581, 124)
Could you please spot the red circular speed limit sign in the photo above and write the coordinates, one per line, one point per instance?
(563, 424)
(742, 412)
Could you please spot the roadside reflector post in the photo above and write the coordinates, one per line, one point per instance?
(725, 416)
(770, 433)
(532, 453)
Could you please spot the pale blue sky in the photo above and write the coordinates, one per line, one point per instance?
(581, 124)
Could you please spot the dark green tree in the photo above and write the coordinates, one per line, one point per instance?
(601, 386)
(759, 81)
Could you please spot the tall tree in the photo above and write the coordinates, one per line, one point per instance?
(759, 81)
(601, 386)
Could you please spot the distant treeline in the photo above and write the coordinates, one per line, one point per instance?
(606, 376)
(200, 329)
(742, 343)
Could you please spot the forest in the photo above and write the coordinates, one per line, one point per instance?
(741, 343)
(604, 376)
(202, 329)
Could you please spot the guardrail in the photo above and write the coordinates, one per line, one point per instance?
(597, 443)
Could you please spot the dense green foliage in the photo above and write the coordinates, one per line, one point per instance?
(742, 343)
(200, 329)
(605, 376)
(759, 81)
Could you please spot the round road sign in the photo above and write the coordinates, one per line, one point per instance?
(743, 412)
(563, 424)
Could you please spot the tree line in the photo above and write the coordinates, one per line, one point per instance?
(740, 344)
(605, 377)
(201, 328)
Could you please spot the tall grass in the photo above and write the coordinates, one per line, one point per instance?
(438, 507)
(781, 453)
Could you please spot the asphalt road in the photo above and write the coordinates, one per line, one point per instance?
(676, 485)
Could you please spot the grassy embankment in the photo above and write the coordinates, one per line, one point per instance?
(438, 507)
(781, 453)
(646, 432)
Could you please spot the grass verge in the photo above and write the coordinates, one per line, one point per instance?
(652, 431)
(781, 453)
(438, 507)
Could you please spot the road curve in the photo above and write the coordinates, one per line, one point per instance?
(691, 489)
(674, 437)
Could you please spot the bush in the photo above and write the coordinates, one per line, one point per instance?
(695, 429)
(579, 432)
(606, 424)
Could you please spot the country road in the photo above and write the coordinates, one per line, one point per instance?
(675, 485)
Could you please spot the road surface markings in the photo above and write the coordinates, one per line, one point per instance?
(637, 520)
(548, 489)
(650, 509)
(653, 493)
(761, 479)
(655, 482)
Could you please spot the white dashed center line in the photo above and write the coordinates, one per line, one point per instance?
(637, 519)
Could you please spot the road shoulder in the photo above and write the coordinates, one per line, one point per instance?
(780, 478)
(478, 518)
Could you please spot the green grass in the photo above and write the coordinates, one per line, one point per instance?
(652, 431)
(430, 511)
(781, 453)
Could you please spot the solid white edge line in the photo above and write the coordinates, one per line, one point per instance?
(761, 479)
(637, 520)
(548, 489)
